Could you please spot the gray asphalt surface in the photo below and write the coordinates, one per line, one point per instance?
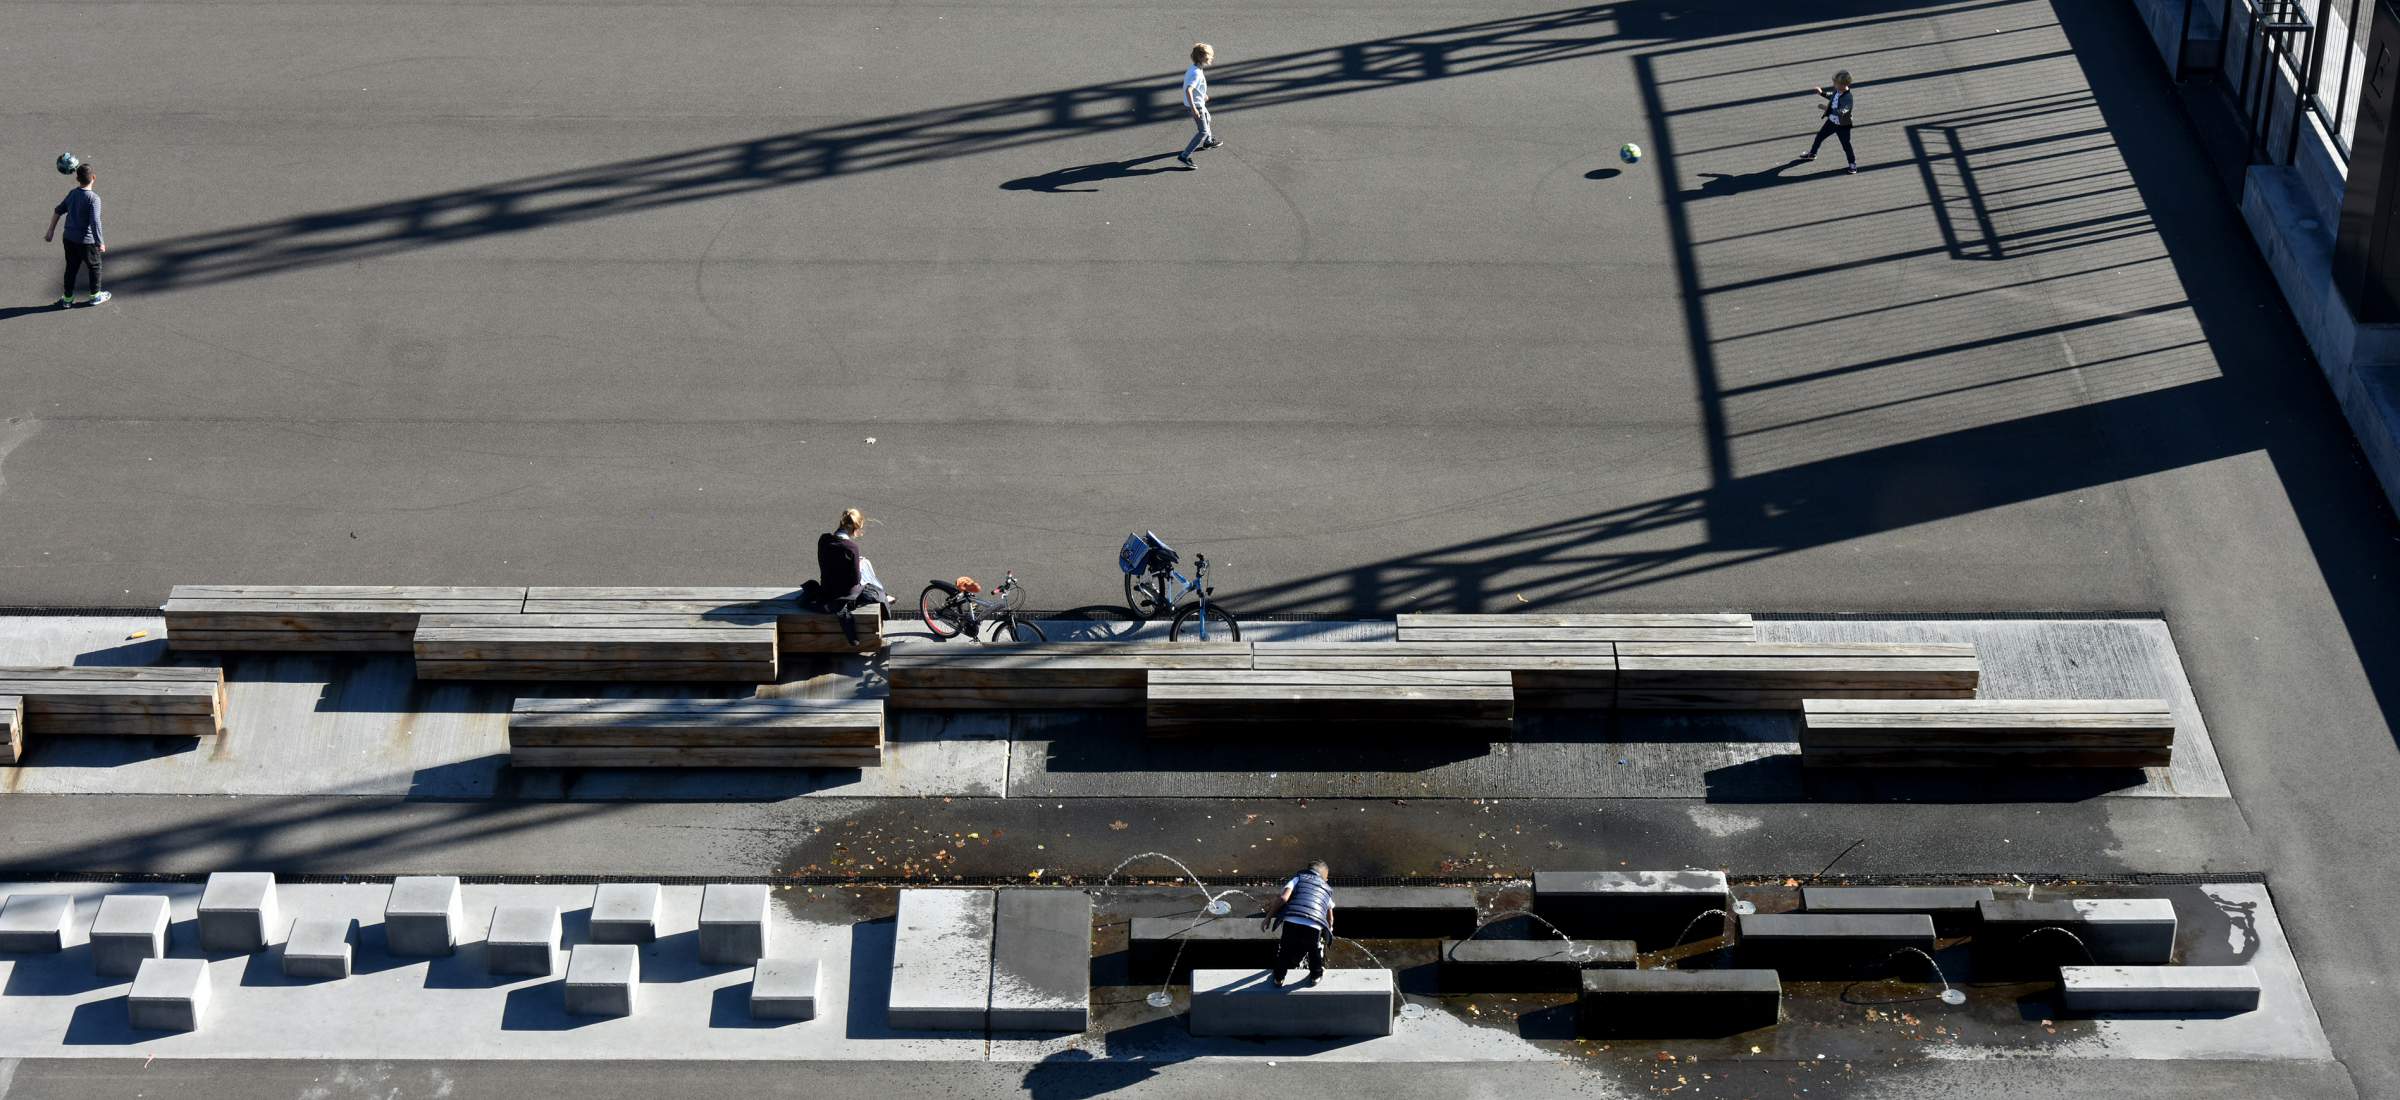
(616, 294)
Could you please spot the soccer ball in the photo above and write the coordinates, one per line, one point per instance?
(67, 163)
(1629, 153)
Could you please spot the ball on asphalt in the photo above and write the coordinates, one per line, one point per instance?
(1629, 153)
(67, 163)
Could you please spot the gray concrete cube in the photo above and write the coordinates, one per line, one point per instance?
(625, 912)
(238, 911)
(523, 940)
(34, 923)
(130, 928)
(169, 995)
(320, 947)
(733, 924)
(602, 979)
(424, 915)
(784, 989)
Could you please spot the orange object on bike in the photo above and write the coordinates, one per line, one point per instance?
(967, 584)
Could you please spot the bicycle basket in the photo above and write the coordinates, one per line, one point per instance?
(1135, 551)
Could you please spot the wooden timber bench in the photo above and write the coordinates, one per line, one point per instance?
(1187, 700)
(696, 733)
(1545, 675)
(527, 646)
(1780, 675)
(798, 630)
(149, 701)
(1577, 628)
(1980, 733)
(1045, 675)
(346, 618)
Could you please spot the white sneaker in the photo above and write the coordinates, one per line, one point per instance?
(99, 298)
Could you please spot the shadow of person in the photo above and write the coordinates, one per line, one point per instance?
(1062, 181)
(1720, 184)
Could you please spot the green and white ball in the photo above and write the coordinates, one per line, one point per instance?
(67, 163)
(1630, 153)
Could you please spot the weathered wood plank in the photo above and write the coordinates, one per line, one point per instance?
(752, 722)
(1987, 733)
(290, 641)
(700, 757)
(121, 724)
(12, 728)
(346, 592)
(1581, 627)
(584, 625)
(774, 705)
(1505, 656)
(1335, 683)
(636, 671)
(1016, 698)
(651, 593)
(1780, 675)
(1185, 700)
(68, 674)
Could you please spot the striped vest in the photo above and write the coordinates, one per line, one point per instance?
(1312, 901)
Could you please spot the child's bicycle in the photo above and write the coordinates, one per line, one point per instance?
(1153, 587)
(952, 608)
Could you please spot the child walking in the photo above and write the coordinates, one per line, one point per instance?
(81, 209)
(1838, 102)
(1195, 99)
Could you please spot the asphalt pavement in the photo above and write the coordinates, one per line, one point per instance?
(623, 294)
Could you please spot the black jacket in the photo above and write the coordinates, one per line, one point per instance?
(1837, 105)
(837, 566)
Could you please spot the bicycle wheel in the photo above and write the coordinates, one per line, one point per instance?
(1219, 627)
(1019, 630)
(1146, 596)
(933, 606)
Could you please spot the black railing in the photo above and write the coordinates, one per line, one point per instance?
(2284, 45)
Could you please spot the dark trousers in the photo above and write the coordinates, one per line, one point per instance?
(1834, 129)
(1300, 943)
(79, 257)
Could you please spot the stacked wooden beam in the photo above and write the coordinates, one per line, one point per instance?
(1544, 674)
(1045, 675)
(1182, 701)
(1780, 675)
(798, 629)
(696, 733)
(1577, 628)
(318, 618)
(1979, 733)
(148, 701)
(12, 728)
(596, 647)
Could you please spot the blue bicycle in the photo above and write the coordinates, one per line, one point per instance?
(1153, 588)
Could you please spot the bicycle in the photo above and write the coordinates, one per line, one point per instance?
(1153, 588)
(952, 608)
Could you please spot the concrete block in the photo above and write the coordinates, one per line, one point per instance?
(1404, 912)
(1937, 901)
(1041, 960)
(238, 912)
(2159, 988)
(1246, 1004)
(169, 995)
(424, 916)
(1677, 1004)
(128, 929)
(733, 924)
(602, 979)
(1834, 945)
(1651, 908)
(1528, 966)
(625, 912)
(2113, 930)
(784, 989)
(34, 923)
(320, 947)
(942, 961)
(1187, 943)
(523, 940)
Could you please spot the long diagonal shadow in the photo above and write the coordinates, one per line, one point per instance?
(876, 144)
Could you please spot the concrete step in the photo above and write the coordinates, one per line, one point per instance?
(1677, 1004)
(942, 961)
(1651, 908)
(2192, 989)
(1041, 960)
(1244, 1004)
(1528, 966)
(1834, 945)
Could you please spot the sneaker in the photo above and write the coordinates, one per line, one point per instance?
(1315, 976)
(1185, 161)
(99, 298)
(1212, 143)
(1852, 170)
(1806, 156)
(64, 300)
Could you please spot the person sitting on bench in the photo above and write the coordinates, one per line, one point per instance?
(845, 578)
